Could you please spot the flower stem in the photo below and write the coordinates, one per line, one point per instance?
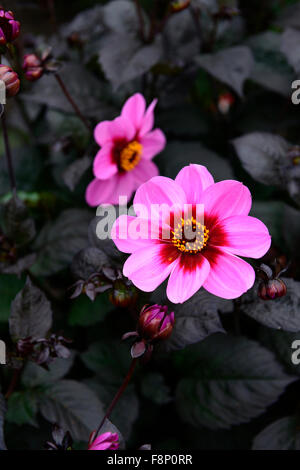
(13, 382)
(52, 13)
(8, 155)
(141, 18)
(117, 395)
(72, 102)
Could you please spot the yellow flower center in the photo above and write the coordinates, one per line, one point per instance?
(197, 233)
(130, 155)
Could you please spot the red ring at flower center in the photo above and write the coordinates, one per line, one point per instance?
(197, 240)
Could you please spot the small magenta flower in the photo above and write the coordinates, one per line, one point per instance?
(9, 27)
(33, 67)
(128, 145)
(155, 323)
(11, 80)
(210, 258)
(106, 441)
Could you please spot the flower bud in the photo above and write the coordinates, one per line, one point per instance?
(33, 67)
(106, 441)
(155, 323)
(271, 289)
(122, 295)
(11, 80)
(9, 27)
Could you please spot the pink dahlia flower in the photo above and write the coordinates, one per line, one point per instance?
(128, 145)
(106, 441)
(211, 258)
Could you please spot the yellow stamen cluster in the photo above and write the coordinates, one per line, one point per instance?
(189, 226)
(130, 155)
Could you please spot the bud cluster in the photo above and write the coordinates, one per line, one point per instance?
(121, 291)
(34, 66)
(9, 27)
(43, 351)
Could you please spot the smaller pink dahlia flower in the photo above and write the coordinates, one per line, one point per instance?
(106, 441)
(128, 145)
(210, 257)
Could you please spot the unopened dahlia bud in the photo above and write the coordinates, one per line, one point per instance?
(271, 289)
(33, 67)
(11, 80)
(9, 27)
(155, 323)
(225, 102)
(122, 295)
(106, 441)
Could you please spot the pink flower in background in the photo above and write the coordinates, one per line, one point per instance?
(106, 441)
(211, 261)
(128, 145)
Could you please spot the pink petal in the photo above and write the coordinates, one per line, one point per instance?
(100, 191)
(125, 186)
(148, 119)
(184, 282)
(134, 109)
(229, 276)
(122, 128)
(244, 236)
(147, 268)
(159, 190)
(103, 437)
(102, 133)
(132, 233)
(104, 166)
(145, 170)
(226, 198)
(194, 179)
(153, 143)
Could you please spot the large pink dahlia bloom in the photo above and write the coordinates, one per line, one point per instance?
(212, 262)
(128, 145)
